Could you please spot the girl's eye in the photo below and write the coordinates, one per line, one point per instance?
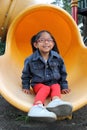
(44, 40)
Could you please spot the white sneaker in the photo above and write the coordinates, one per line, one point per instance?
(39, 112)
(60, 108)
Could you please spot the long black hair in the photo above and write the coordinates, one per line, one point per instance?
(32, 43)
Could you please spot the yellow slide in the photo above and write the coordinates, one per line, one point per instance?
(18, 47)
(9, 9)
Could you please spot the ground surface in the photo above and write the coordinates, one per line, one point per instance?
(14, 119)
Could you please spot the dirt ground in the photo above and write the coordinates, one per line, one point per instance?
(14, 119)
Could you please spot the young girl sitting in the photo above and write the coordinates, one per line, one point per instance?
(45, 72)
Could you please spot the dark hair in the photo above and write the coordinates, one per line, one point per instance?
(32, 43)
(38, 35)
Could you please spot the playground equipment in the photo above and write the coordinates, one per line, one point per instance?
(18, 47)
(9, 9)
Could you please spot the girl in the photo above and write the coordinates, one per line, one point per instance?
(45, 72)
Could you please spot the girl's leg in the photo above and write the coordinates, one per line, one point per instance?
(58, 106)
(55, 91)
(38, 111)
(42, 91)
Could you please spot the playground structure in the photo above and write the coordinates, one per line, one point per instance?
(10, 9)
(27, 23)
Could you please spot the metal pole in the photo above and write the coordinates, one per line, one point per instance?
(74, 6)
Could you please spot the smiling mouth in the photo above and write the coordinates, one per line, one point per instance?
(45, 46)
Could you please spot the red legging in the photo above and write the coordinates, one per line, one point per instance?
(43, 91)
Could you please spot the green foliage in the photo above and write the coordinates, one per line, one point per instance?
(22, 118)
(67, 5)
(2, 48)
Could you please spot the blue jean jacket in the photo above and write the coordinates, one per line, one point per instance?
(36, 70)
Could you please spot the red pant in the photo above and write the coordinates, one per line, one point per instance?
(43, 91)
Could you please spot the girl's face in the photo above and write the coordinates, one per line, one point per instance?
(45, 43)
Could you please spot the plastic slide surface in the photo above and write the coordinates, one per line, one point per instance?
(18, 47)
(9, 9)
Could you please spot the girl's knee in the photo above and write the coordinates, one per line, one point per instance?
(55, 87)
(46, 89)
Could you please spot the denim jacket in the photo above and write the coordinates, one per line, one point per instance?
(36, 70)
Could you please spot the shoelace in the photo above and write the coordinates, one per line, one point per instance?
(41, 106)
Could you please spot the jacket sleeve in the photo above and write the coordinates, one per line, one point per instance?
(63, 73)
(26, 75)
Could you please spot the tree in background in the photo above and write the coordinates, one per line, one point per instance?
(65, 4)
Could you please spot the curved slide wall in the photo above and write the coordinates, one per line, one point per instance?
(9, 9)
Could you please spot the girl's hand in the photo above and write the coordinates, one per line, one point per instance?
(27, 91)
(65, 91)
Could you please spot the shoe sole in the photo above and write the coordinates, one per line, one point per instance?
(61, 110)
(42, 119)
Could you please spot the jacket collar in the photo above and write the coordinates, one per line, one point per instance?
(37, 55)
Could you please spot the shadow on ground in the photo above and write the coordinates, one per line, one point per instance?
(14, 119)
